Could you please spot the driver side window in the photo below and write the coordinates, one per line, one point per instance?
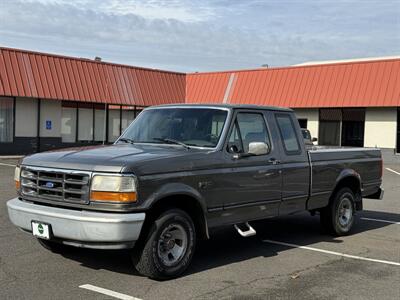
(248, 128)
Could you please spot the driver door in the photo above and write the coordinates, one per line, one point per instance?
(254, 182)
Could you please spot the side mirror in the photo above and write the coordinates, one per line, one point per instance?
(314, 139)
(258, 148)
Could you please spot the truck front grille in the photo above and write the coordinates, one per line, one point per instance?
(55, 184)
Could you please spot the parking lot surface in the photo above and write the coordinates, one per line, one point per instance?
(289, 258)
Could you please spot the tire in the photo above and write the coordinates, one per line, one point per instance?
(53, 246)
(168, 248)
(338, 217)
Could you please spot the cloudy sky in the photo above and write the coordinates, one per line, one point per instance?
(200, 35)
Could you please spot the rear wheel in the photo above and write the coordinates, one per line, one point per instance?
(168, 248)
(338, 217)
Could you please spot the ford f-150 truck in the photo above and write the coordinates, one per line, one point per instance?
(178, 172)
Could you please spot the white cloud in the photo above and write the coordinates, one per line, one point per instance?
(180, 10)
(201, 35)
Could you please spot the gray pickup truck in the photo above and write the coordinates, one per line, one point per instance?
(178, 172)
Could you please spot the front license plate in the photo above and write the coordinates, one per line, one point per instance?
(41, 230)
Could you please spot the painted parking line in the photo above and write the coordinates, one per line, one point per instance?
(393, 171)
(380, 220)
(107, 292)
(8, 165)
(387, 262)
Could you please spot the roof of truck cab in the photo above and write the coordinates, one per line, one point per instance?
(228, 106)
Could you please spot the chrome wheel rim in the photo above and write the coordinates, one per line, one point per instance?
(172, 245)
(345, 212)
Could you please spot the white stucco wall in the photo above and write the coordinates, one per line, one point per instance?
(50, 110)
(312, 116)
(26, 113)
(380, 127)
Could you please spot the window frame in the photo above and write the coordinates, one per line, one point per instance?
(13, 101)
(297, 152)
(235, 125)
(76, 123)
(221, 142)
(235, 122)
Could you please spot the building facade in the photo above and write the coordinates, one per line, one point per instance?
(50, 101)
(352, 103)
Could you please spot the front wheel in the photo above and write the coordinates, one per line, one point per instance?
(168, 248)
(338, 217)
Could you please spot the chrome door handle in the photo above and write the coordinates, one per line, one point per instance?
(274, 161)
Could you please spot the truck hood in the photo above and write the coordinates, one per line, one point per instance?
(140, 159)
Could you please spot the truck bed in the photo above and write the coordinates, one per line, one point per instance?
(329, 164)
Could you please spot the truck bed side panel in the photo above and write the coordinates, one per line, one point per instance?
(328, 166)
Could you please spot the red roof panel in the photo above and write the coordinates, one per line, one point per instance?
(42, 77)
(352, 84)
(196, 85)
(392, 92)
(32, 74)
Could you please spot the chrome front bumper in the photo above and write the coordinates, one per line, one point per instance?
(79, 228)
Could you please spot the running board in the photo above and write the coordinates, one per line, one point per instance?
(249, 232)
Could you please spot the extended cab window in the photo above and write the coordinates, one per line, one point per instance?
(288, 133)
(248, 128)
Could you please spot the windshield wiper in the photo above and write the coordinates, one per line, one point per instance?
(126, 140)
(172, 141)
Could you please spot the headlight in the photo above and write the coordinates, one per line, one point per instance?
(113, 188)
(17, 174)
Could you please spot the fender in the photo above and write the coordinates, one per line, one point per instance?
(345, 174)
(171, 189)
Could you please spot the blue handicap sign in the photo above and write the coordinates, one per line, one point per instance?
(48, 124)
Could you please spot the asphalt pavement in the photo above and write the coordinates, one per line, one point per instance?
(289, 258)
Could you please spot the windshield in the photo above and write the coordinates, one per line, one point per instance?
(200, 127)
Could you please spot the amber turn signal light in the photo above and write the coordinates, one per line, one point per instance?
(120, 197)
(17, 175)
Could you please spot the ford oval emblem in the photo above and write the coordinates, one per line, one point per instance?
(49, 184)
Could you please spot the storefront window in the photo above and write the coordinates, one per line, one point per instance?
(85, 123)
(6, 119)
(99, 123)
(68, 124)
(342, 127)
(128, 115)
(114, 123)
(329, 126)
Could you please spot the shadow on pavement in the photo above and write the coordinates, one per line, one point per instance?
(227, 247)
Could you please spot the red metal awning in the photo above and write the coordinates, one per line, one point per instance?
(352, 84)
(31, 74)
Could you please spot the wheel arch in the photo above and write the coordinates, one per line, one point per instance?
(183, 197)
(351, 179)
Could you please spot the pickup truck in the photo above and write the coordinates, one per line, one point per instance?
(180, 171)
